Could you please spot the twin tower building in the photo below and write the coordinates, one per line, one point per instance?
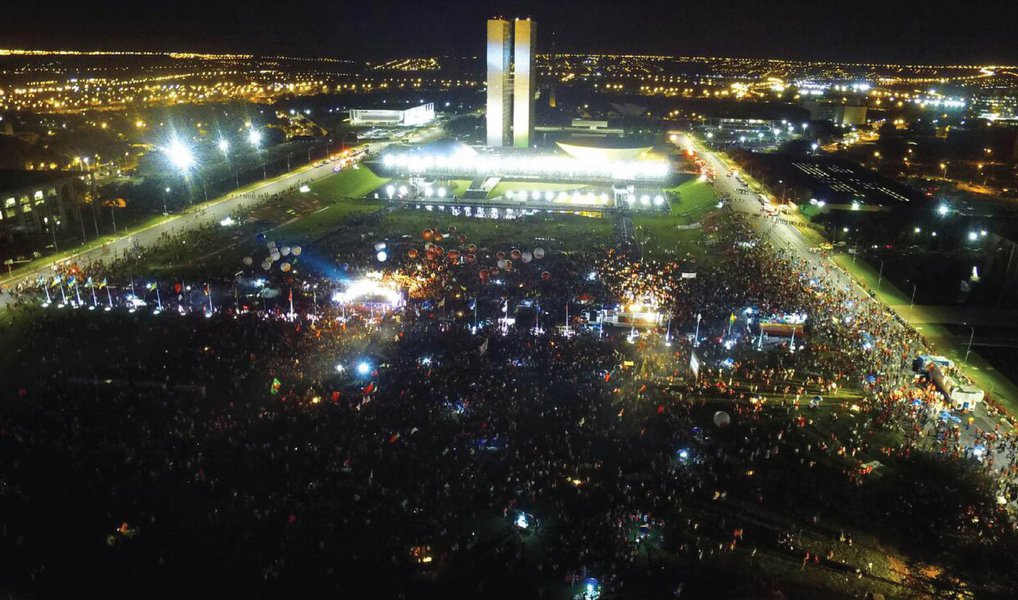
(511, 82)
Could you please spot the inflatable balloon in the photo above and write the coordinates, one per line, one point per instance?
(515, 254)
(379, 246)
(271, 244)
(412, 253)
(502, 263)
(722, 419)
(285, 251)
(545, 276)
(248, 261)
(284, 267)
(526, 257)
(296, 250)
(428, 246)
(266, 265)
(538, 253)
(382, 256)
(275, 255)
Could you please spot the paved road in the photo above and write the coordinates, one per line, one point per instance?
(783, 234)
(192, 218)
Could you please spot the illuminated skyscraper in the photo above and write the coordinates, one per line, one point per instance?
(523, 81)
(510, 105)
(499, 105)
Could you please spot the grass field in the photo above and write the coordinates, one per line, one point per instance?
(553, 232)
(348, 183)
(674, 235)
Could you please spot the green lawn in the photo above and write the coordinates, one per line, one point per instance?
(867, 276)
(550, 231)
(349, 183)
(674, 235)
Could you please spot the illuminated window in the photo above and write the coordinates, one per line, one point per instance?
(9, 202)
(26, 209)
(38, 194)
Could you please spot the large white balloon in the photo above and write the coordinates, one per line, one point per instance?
(296, 250)
(526, 257)
(285, 250)
(284, 267)
(722, 419)
(379, 246)
(538, 253)
(503, 263)
(275, 255)
(248, 261)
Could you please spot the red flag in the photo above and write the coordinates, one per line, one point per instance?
(393, 438)
(291, 295)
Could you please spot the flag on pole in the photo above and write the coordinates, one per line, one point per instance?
(731, 319)
(103, 283)
(88, 282)
(291, 295)
(71, 281)
(276, 384)
(484, 346)
(206, 289)
(441, 302)
(56, 281)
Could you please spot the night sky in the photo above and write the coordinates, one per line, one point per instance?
(962, 32)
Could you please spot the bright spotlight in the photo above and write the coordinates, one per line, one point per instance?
(942, 210)
(224, 146)
(363, 368)
(180, 154)
(255, 137)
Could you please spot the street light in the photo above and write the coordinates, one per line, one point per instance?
(180, 155)
(224, 146)
(911, 302)
(942, 210)
(255, 137)
(165, 191)
(968, 348)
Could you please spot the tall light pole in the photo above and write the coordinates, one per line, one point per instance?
(968, 349)
(165, 191)
(880, 276)
(911, 302)
(181, 156)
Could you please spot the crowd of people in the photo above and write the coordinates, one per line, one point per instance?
(430, 450)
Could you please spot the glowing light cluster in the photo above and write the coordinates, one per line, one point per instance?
(467, 163)
(369, 290)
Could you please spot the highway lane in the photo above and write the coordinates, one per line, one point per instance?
(192, 218)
